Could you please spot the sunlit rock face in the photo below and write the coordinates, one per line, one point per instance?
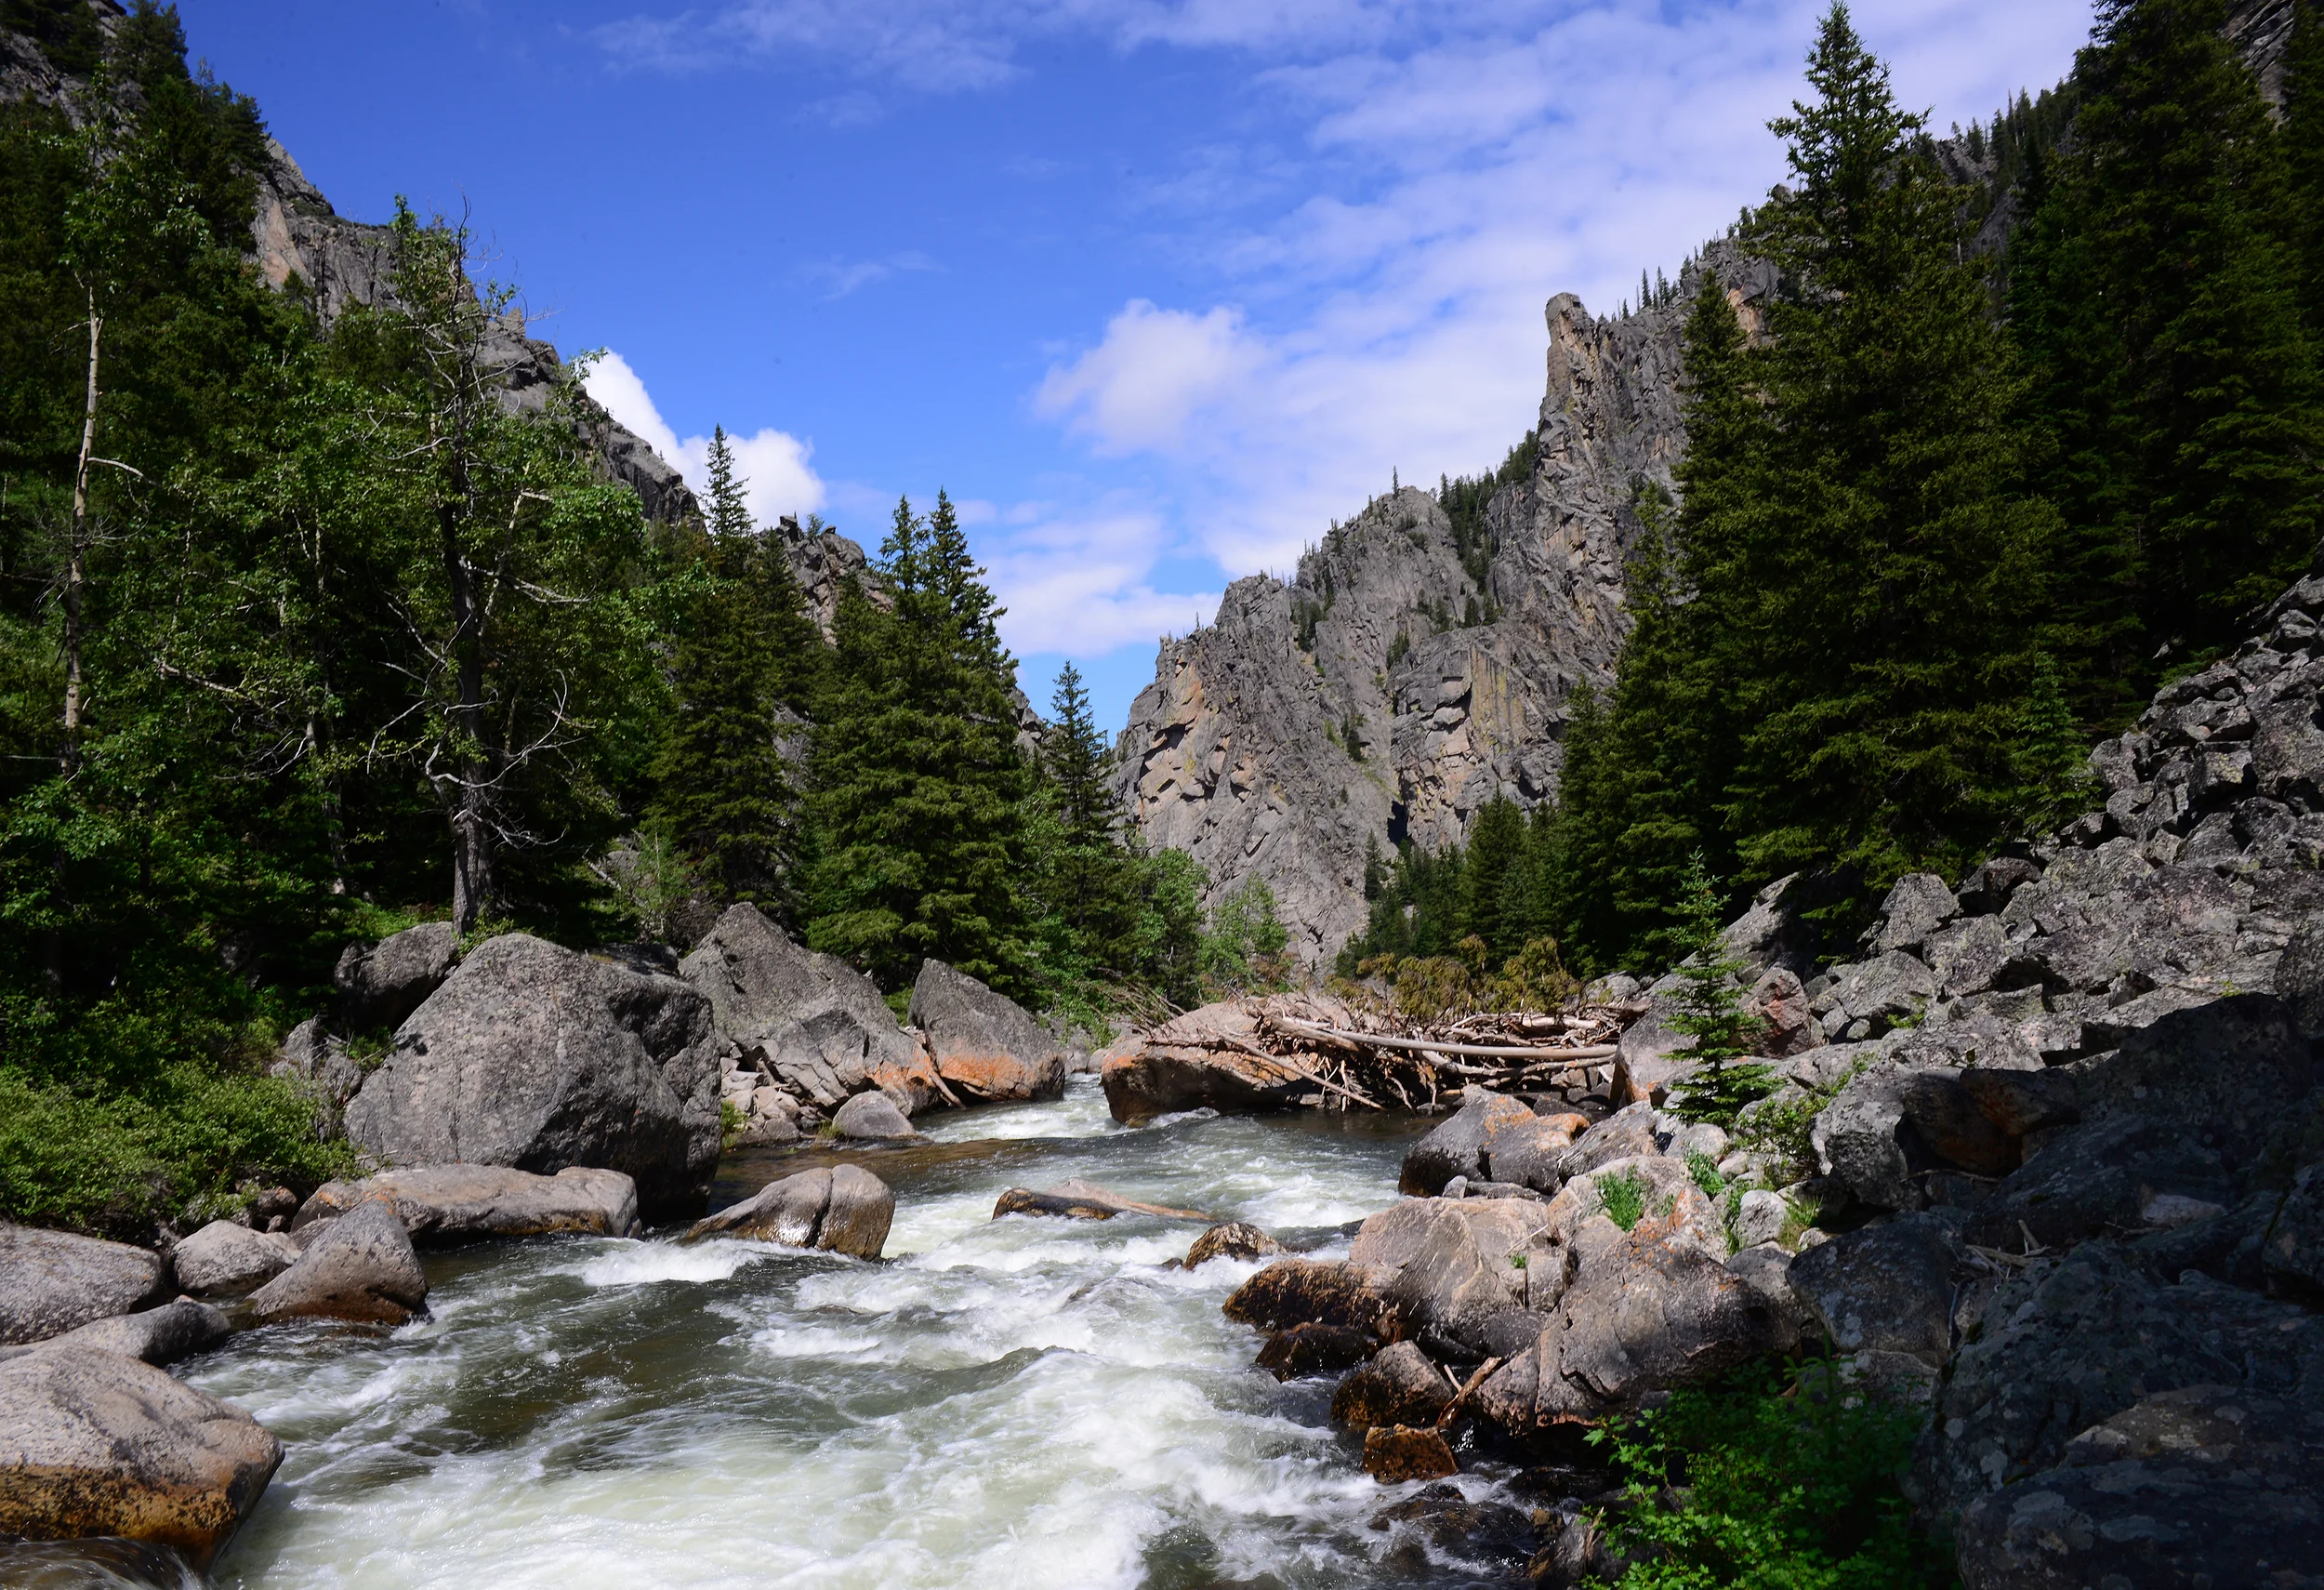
(1401, 679)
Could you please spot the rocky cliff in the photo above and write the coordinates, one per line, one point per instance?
(1402, 680)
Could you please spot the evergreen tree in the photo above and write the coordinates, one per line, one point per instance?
(917, 778)
(1877, 591)
(744, 667)
(1711, 1011)
(1494, 853)
(2303, 143)
(2175, 368)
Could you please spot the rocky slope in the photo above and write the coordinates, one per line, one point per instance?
(1371, 698)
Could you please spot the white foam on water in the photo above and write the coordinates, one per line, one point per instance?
(1023, 1402)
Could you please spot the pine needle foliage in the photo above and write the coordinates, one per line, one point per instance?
(1712, 1011)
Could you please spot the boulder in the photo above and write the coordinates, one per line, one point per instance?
(1526, 1153)
(1457, 1147)
(985, 1045)
(1950, 1124)
(453, 1203)
(2293, 1251)
(153, 1335)
(1654, 1314)
(1231, 1240)
(1400, 1385)
(1628, 1134)
(381, 984)
(2071, 1344)
(1191, 1062)
(1652, 1056)
(1086, 1200)
(844, 1210)
(1766, 1270)
(51, 1281)
(226, 1260)
(1451, 1266)
(539, 1058)
(94, 1443)
(1760, 1217)
(1855, 1137)
(1312, 1349)
(1884, 1287)
(1395, 1453)
(2204, 1485)
(817, 1025)
(314, 1056)
(1293, 1291)
(361, 1268)
(1779, 1002)
(1917, 903)
(2020, 1102)
(872, 1117)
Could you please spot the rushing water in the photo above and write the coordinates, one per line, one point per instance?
(1005, 1404)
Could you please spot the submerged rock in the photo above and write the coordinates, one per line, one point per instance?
(53, 1281)
(538, 1057)
(844, 1210)
(450, 1203)
(985, 1045)
(1394, 1454)
(95, 1443)
(1309, 1350)
(1231, 1240)
(1086, 1200)
(873, 1117)
(1400, 1385)
(361, 1268)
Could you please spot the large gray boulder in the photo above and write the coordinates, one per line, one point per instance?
(1457, 1147)
(1207, 1058)
(381, 984)
(153, 1335)
(538, 1057)
(52, 1282)
(985, 1045)
(1452, 1267)
(1401, 1386)
(452, 1204)
(844, 1210)
(2067, 1346)
(362, 1268)
(226, 1260)
(95, 1443)
(813, 1021)
(2204, 1485)
(1886, 1288)
(1655, 1312)
(873, 1117)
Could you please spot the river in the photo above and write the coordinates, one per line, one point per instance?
(1009, 1404)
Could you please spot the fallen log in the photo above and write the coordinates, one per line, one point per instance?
(1078, 1199)
(1437, 1046)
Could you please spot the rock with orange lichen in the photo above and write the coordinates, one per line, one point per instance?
(985, 1045)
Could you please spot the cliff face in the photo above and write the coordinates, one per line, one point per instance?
(1371, 698)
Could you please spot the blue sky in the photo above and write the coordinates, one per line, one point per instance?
(1154, 288)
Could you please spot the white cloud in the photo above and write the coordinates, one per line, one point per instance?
(775, 463)
(1376, 256)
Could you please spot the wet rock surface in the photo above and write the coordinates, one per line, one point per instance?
(841, 1209)
(95, 1443)
(361, 1267)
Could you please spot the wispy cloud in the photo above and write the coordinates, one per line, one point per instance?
(840, 277)
(775, 463)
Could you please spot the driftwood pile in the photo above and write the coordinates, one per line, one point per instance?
(1375, 1059)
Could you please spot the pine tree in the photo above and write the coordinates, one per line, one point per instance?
(2183, 377)
(917, 777)
(1495, 850)
(1887, 583)
(744, 662)
(1711, 1011)
(2303, 142)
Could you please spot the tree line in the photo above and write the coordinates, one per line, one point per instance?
(1942, 520)
(308, 633)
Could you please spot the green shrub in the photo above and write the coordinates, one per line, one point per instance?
(118, 1163)
(732, 1121)
(1769, 1483)
(1623, 1196)
(1704, 1170)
